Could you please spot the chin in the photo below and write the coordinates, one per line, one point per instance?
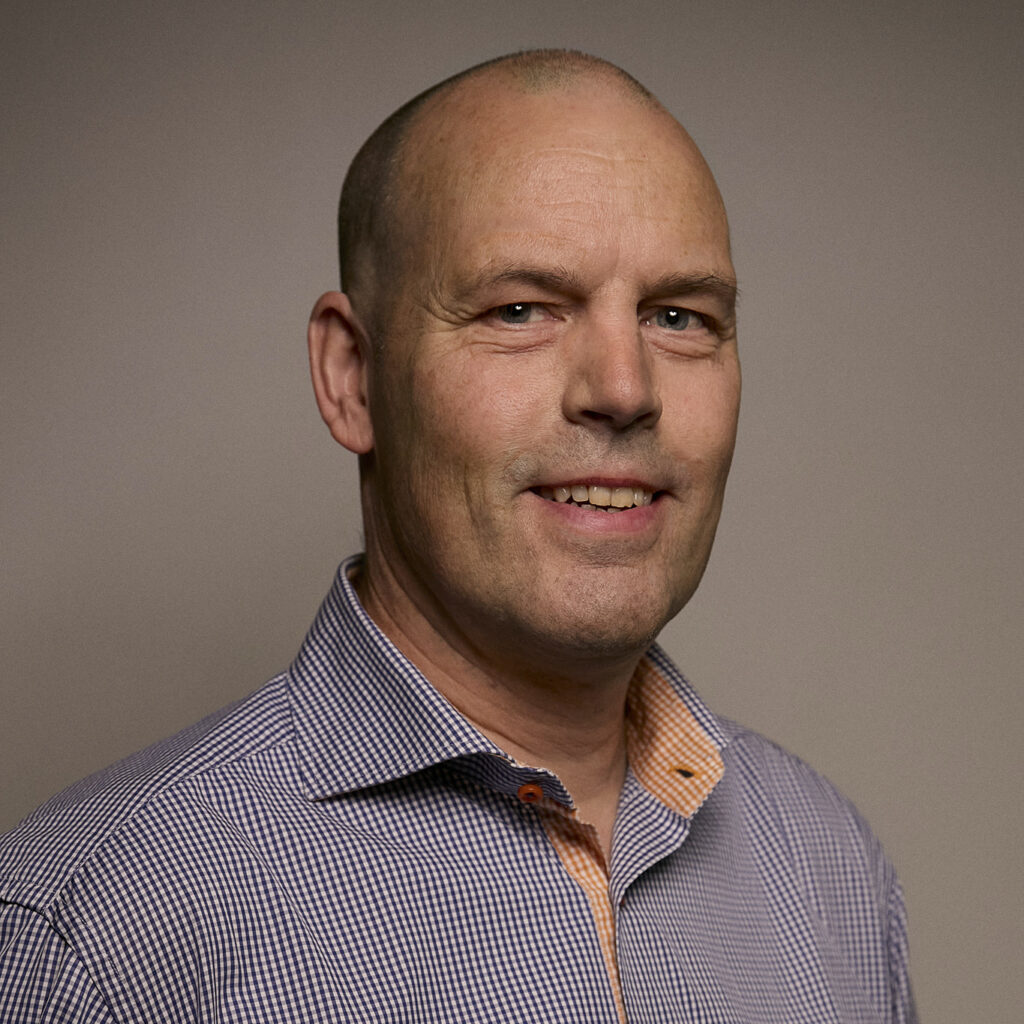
(607, 630)
(625, 609)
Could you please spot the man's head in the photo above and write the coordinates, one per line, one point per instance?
(370, 220)
(540, 306)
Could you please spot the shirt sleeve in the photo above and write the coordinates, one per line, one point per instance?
(903, 1008)
(41, 978)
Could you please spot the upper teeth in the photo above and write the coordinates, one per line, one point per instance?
(598, 494)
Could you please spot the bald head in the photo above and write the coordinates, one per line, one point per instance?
(390, 171)
(540, 293)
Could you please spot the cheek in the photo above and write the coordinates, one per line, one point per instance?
(479, 413)
(707, 400)
(701, 421)
(720, 438)
(728, 419)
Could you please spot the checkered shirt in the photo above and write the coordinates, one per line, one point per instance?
(344, 846)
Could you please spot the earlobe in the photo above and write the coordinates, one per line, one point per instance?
(338, 362)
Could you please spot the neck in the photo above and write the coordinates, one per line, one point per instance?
(586, 751)
(570, 721)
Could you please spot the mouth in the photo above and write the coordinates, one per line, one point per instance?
(598, 497)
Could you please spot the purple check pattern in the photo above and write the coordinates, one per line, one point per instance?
(344, 846)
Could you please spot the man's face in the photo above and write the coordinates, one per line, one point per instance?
(552, 336)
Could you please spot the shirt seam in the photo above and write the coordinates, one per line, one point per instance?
(51, 897)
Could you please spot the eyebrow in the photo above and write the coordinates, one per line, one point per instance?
(721, 288)
(561, 279)
(556, 279)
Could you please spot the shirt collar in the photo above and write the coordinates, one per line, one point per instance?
(674, 744)
(365, 715)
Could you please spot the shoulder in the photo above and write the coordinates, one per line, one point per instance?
(49, 848)
(772, 771)
(796, 812)
(811, 857)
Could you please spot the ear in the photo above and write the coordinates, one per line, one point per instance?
(338, 360)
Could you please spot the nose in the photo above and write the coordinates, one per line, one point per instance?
(611, 378)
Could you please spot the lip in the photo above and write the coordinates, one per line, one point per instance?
(601, 481)
(640, 519)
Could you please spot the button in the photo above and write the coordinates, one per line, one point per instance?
(530, 793)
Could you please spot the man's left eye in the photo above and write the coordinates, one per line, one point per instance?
(675, 318)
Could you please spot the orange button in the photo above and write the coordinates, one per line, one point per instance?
(530, 792)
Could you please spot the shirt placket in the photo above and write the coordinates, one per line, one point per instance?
(579, 849)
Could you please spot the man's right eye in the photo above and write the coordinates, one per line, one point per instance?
(516, 312)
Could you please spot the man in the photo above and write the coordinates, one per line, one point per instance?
(480, 793)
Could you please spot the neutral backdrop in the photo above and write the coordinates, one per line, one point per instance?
(173, 509)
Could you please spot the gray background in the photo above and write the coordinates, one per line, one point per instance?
(172, 508)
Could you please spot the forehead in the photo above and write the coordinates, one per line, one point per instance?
(558, 169)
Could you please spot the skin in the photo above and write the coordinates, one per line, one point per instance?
(564, 315)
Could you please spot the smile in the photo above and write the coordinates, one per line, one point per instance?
(598, 497)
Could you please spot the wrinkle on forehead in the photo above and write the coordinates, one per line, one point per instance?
(637, 181)
(469, 121)
(491, 143)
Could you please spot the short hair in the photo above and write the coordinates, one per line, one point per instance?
(366, 221)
